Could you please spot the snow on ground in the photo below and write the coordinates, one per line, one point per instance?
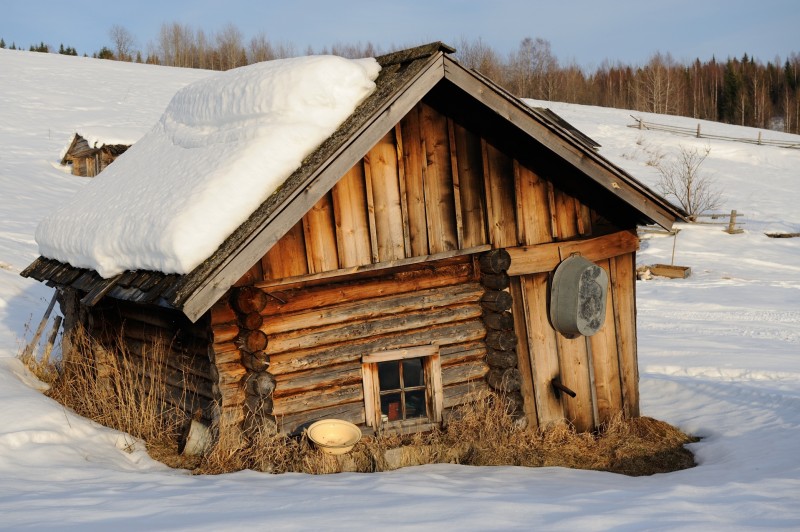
(719, 357)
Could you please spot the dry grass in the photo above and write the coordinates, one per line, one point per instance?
(116, 391)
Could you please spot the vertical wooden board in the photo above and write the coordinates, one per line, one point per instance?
(470, 181)
(523, 357)
(382, 160)
(287, 257)
(413, 161)
(438, 181)
(401, 171)
(584, 218)
(573, 359)
(623, 277)
(350, 214)
(566, 217)
(451, 134)
(253, 275)
(533, 207)
(542, 348)
(603, 344)
(500, 201)
(320, 235)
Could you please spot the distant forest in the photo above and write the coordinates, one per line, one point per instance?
(743, 91)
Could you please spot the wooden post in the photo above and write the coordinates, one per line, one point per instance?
(698, 130)
(732, 230)
(32, 345)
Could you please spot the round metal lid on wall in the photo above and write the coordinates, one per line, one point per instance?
(578, 297)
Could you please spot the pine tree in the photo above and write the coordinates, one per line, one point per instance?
(2, 43)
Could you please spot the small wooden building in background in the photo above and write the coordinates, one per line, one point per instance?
(87, 158)
(401, 269)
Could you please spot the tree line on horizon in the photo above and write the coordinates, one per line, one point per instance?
(742, 91)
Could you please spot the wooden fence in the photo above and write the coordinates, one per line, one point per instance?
(698, 133)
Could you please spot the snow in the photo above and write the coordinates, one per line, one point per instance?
(223, 146)
(719, 357)
(97, 136)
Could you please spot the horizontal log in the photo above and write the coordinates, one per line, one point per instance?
(470, 371)
(222, 312)
(496, 300)
(462, 353)
(294, 423)
(501, 340)
(257, 361)
(526, 260)
(430, 276)
(501, 321)
(451, 333)
(495, 261)
(232, 372)
(171, 321)
(374, 307)
(252, 341)
(495, 281)
(251, 320)
(256, 405)
(224, 332)
(164, 378)
(505, 380)
(317, 399)
(261, 384)
(329, 335)
(317, 379)
(463, 393)
(248, 299)
(501, 359)
(193, 365)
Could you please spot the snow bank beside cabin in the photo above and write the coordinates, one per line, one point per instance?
(224, 144)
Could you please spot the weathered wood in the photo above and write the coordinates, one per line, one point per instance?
(504, 380)
(605, 362)
(194, 365)
(501, 359)
(336, 334)
(401, 172)
(495, 261)
(496, 300)
(524, 355)
(261, 384)
(542, 349)
(545, 257)
(573, 360)
(293, 423)
(457, 354)
(257, 361)
(456, 183)
(383, 176)
(495, 281)
(438, 181)
(319, 379)
(249, 299)
(533, 207)
(469, 169)
(287, 257)
(352, 223)
(501, 321)
(222, 312)
(370, 308)
(459, 394)
(253, 275)
(501, 340)
(35, 340)
(458, 270)
(624, 299)
(224, 332)
(258, 405)
(566, 216)
(467, 372)
(320, 236)
(252, 341)
(551, 202)
(320, 356)
(313, 400)
(414, 160)
(498, 175)
(251, 320)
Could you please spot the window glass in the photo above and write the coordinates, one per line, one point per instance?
(412, 372)
(389, 375)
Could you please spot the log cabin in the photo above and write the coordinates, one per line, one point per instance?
(404, 267)
(89, 158)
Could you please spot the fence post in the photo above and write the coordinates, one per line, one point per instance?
(759, 138)
(698, 130)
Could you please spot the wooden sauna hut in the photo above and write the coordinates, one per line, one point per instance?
(405, 266)
(89, 157)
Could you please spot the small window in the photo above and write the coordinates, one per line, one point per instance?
(403, 388)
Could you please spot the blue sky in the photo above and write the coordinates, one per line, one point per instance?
(586, 32)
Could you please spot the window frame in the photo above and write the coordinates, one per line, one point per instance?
(434, 396)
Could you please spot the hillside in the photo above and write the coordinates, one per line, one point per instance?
(718, 356)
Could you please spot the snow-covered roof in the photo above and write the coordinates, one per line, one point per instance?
(97, 136)
(223, 146)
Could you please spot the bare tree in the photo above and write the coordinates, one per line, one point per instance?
(123, 41)
(682, 179)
